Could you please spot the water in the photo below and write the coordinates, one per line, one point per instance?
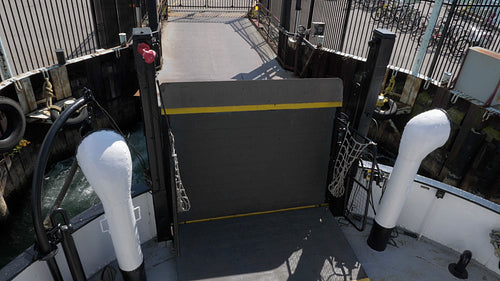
(80, 197)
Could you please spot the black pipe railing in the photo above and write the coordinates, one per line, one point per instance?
(47, 249)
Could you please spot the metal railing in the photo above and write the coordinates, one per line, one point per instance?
(268, 23)
(32, 30)
(211, 4)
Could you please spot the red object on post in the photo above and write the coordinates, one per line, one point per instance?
(145, 51)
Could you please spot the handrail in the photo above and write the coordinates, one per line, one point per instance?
(261, 6)
(451, 190)
(46, 250)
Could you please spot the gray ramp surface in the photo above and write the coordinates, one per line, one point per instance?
(209, 46)
(297, 245)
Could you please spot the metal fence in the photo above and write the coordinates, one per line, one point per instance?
(458, 27)
(210, 4)
(350, 23)
(31, 31)
(268, 21)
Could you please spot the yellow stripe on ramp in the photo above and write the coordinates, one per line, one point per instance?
(242, 108)
(256, 213)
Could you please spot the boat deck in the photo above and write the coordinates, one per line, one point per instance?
(301, 245)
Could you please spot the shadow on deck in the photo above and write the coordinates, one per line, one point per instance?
(294, 245)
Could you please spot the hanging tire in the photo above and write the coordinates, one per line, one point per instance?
(386, 111)
(12, 124)
(75, 120)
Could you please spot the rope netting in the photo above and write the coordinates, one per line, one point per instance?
(351, 148)
(183, 203)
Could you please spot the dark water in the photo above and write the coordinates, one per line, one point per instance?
(80, 197)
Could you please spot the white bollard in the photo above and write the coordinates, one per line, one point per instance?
(105, 160)
(422, 134)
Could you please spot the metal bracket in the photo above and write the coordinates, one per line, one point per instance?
(426, 84)
(440, 193)
(45, 73)
(104, 222)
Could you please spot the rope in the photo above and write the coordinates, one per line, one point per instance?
(48, 93)
(349, 151)
(183, 203)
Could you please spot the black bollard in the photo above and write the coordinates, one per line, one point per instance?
(458, 269)
(61, 57)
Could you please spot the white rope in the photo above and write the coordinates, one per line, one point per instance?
(183, 204)
(349, 151)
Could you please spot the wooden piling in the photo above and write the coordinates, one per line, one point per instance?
(410, 90)
(60, 82)
(25, 94)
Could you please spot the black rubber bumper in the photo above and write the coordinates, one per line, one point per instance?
(379, 237)
(139, 274)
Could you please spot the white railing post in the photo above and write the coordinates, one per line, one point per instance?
(417, 64)
(4, 63)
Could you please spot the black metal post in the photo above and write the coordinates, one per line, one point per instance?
(68, 245)
(444, 38)
(61, 57)
(286, 8)
(381, 47)
(309, 19)
(94, 21)
(344, 26)
(298, 8)
(152, 129)
(152, 15)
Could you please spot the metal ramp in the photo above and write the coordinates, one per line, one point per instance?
(253, 146)
(215, 46)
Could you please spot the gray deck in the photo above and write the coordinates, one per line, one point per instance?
(214, 46)
(309, 244)
(408, 258)
(293, 245)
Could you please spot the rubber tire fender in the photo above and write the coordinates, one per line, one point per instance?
(16, 124)
(385, 112)
(73, 121)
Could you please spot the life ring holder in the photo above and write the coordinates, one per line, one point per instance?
(15, 124)
(75, 119)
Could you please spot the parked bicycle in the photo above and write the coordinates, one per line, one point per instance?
(401, 14)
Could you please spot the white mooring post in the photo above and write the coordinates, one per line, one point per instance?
(422, 135)
(105, 161)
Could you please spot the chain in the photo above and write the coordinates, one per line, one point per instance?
(183, 204)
